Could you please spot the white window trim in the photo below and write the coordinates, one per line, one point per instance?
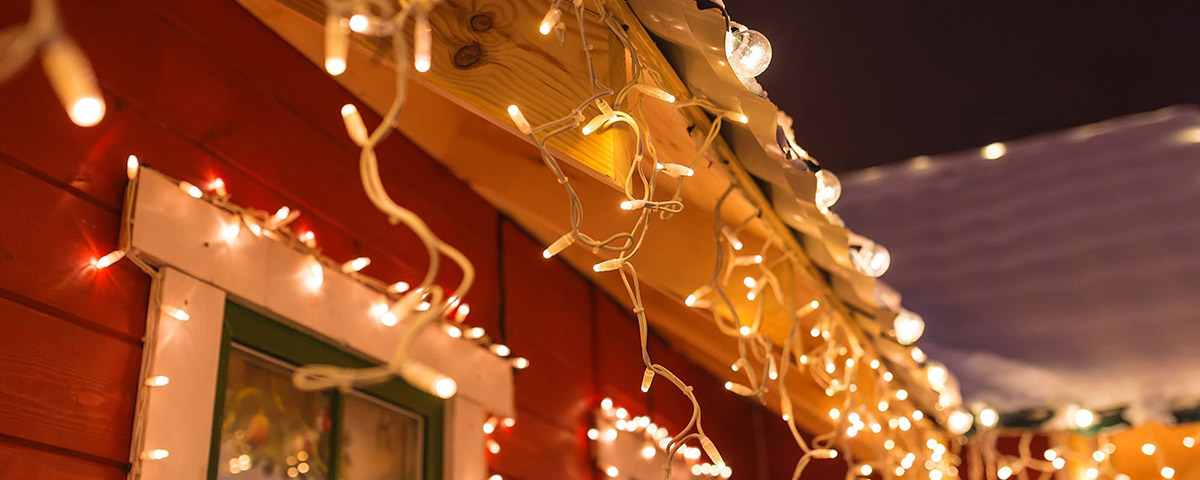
(198, 271)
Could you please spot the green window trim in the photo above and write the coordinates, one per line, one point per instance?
(249, 328)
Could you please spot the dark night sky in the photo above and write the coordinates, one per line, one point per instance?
(877, 81)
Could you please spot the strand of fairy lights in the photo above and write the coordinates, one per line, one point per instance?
(625, 245)
(346, 17)
(276, 226)
(66, 66)
(1095, 462)
(614, 422)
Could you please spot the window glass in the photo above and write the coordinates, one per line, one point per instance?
(270, 429)
(378, 441)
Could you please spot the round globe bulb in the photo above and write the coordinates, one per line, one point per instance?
(829, 189)
(748, 51)
(908, 326)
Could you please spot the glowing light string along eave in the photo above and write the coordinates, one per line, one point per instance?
(753, 345)
(275, 226)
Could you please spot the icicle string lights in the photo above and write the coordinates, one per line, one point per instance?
(837, 358)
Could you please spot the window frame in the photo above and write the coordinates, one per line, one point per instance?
(177, 240)
(262, 335)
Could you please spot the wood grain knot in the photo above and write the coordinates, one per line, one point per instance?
(468, 56)
(481, 22)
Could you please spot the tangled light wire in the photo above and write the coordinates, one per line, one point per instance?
(415, 373)
(639, 184)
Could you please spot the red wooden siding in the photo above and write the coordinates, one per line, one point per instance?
(202, 89)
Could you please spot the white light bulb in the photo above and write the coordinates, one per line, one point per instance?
(608, 265)
(731, 237)
(1189, 442)
(647, 378)
(131, 166)
(959, 422)
(315, 276)
(501, 349)
(519, 120)
(749, 53)
(901, 394)
(1148, 448)
(422, 41)
(988, 417)
(156, 454)
(71, 77)
(337, 45)
(520, 363)
(1167, 472)
(1004, 472)
(550, 21)
(648, 451)
(870, 258)
(937, 375)
(359, 23)
(356, 265)
(157, 381)
(354, 124)
(675, 169)
(192, 190)
(176, 313)
(399, 287)
(612, 472)
(108, 259)
(559, 245)
(994, 151)
(908, 327)
(829, 189)
(1083, 417)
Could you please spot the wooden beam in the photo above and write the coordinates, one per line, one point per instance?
(456, 115)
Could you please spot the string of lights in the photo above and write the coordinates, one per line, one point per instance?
(65, 64)
(639, 184)
(414, 308)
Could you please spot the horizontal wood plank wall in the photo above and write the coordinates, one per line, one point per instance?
(200, 90)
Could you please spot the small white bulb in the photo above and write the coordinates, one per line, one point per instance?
(192, 190)
(549, 21)
(108, 259)
(1167, 472)
(73, 81)
(559, 245)
(711, 450)
(354, 124)
(422, 41)
(501, 349)
(520, 363)
(156, 454)
(519, 120)
(829, 189)
(1148, 448)
(632, 204)
(608, 265)
(158, 381)
(399, 287)
(1083, 417)
(647, 378)
(176, 313)
(356, 265)
(337, 45)
(731, 237)
(675, 169)
(131, 166)
(739, 389)
(994, 151)
(359, 23)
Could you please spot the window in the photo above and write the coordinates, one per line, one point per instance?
(265, 428)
